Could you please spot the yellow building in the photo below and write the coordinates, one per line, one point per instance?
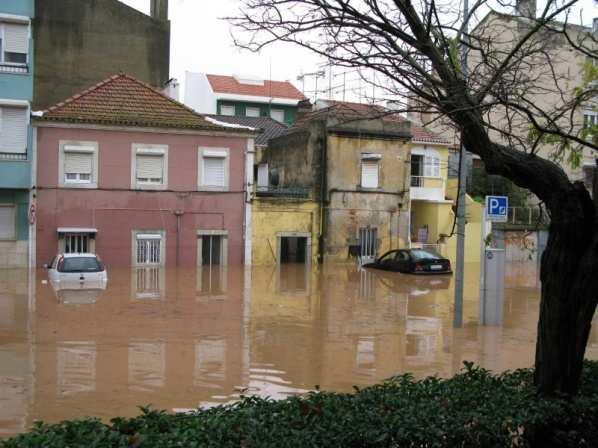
(433, 196)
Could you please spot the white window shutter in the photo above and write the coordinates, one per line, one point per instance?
(252, 111)
(277, 114)
(16, 38)
(369, 173)
(13, 133)
(7, 223)
(213, 171)
(149, 166)
(76, 162)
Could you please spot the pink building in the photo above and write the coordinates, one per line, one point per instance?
(140, 179)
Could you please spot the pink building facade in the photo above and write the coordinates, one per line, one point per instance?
(139, 195)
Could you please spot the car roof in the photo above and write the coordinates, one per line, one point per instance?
(79, 255)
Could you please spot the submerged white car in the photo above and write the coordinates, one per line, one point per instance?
(77, 268)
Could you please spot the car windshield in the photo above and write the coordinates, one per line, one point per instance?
(80, 264)
(420, 254)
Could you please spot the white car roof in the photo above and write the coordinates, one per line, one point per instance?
(81, 255)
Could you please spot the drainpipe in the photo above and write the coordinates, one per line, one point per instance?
(323, 187)
(178, 214)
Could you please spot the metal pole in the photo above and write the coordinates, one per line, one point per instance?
(461, 199)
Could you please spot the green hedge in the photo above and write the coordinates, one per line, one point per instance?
(472, 409)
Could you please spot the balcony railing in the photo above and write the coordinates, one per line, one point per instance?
(13, 156)
(417, 181)
(13, 68)
(528, 216)
(283, 192)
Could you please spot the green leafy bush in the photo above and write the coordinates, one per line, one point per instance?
(471, 409)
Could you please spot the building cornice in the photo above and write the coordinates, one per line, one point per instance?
(149, 130)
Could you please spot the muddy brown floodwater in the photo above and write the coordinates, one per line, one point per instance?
(187, 338)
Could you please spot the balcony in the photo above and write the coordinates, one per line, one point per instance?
(13, 156)
(6, 67)
(427, 188)
(294, 192)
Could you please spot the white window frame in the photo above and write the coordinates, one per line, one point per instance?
(431, 162)
(223, 245)
(65, 146)
(228, 107)
(213, 152)
(154, 150)
(14, 20)
(247, 108)
(369, 157)
(281, 111)
(590, 113)
(157, 234)
(14, 224)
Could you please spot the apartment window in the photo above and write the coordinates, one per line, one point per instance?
(252, 111)
(277, 114)
(14, 43)
(148, 282)
(212, 247)
(13, 129)
(213, 169)
(149, 248)
(7, 222)
(370, 170)
(590, 118)
(149, 167)
(368, 241)
(227, 110)
(75, 243)
(432, 165)
(78, 164)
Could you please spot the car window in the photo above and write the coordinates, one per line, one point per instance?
(79, 264)
(421, 254)
(386, 258)
(402, 256)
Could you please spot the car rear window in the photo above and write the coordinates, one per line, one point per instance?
(79, 264)
(420, 254)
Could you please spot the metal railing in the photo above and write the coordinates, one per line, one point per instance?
(13, 68)
(13, 156)
(417, 181)
(283, 192)
(527, 216)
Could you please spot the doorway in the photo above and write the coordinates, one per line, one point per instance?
(294, 247)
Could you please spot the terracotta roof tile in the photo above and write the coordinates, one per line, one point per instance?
(125, 101)
(274, 89)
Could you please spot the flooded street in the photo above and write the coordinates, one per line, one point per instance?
(182, 339)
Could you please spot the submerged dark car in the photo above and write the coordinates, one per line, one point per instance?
(413, 261)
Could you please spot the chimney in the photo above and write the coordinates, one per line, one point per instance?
(303, 108)
(526, 8)
(159, 10)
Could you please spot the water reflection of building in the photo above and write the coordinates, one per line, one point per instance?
(108, 357)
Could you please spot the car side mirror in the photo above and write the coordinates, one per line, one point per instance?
(46, 266)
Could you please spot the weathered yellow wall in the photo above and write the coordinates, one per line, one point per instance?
(271, 216)
(353, 208)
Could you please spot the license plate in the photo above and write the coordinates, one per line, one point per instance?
(436, 267)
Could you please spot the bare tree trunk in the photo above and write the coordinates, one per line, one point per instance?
(569, 291)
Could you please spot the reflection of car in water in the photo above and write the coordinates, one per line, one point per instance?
(412, 261)
(77, 278)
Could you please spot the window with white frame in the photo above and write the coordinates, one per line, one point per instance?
(150, 166)
(149, 248)
(13, 129)
(75, 243)
(431, 164)
(78, 164)
(590, 118)
(252, 111)
(370, 167)
(277, 114)
(213, 168)
(227, 110)
(8, 226)
(14, 43)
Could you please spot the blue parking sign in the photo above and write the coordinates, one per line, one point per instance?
(497, 208)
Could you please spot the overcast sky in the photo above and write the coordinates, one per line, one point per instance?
(201, 42)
